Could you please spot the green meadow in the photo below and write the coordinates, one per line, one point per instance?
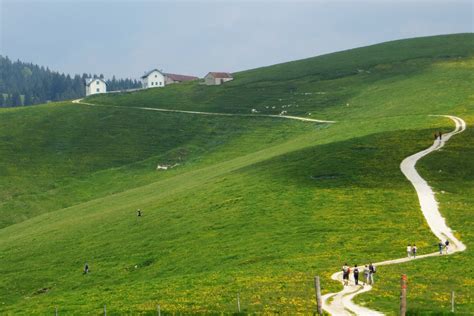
(256, 206)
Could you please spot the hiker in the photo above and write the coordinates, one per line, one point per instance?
(139, 213)
(440, 247)
(371, 273)
(413, 251)
(409, 251)
(436, 136)
(440, 135)
(356, 275)
(446, 245)
(345, 274)
(86, 268)
(366, 274)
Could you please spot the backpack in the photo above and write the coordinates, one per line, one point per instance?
(372, 268)
(345, 269)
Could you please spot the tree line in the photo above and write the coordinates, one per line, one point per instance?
(27, 84)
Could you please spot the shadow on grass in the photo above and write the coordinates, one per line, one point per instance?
(370, 161)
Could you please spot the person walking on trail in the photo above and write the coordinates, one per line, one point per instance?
(372, 271)
(366, 274)
(446, 246)
(413, 251)
(440, 135)
(345, 274)
(409, 251)
(356, 275)
(440, 247)
(86, 268)
(139, 213)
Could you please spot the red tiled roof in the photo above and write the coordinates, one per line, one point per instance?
(221, 74)
(176, 77)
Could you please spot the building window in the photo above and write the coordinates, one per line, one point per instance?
(161, 83)
(156, 76)
(97, 82)
(97, 90)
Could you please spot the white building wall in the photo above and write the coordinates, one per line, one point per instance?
(96, 86)
(154, 80)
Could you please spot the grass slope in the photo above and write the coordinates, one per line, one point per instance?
(75, 154)
(259, 206)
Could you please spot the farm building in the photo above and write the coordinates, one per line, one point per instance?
(95, 85)
(174, 78)
(153, 79)
(217, 78)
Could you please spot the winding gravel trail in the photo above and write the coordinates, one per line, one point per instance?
(303, 119)
(340, 303)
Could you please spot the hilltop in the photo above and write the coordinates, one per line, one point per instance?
(257, 205)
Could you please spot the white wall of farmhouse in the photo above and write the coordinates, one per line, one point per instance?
(154, 79)
(96, 86)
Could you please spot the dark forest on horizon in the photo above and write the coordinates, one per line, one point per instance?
(23, 84)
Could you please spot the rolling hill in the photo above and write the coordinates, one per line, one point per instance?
(256, 205)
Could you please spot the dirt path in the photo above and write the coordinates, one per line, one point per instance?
(340, 303)
(304, 119)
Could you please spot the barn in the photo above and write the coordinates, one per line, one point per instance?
(217, 78)
(175, 78)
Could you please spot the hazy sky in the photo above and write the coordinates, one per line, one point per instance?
(126, 38)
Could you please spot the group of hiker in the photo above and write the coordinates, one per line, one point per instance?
(368, 272)
(411, 251)
(442, 245)
(438, 135)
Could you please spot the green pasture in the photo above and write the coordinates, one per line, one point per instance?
(257, 206)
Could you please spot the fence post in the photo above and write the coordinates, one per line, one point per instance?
(403, 295)
(317, 287)
(105, 310)
(238, 302)
(452, 301)
(158, 310)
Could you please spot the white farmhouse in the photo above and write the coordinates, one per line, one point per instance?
(95, 85)
(153, 79)
(217, 78)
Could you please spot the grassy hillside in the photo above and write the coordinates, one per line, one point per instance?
(74, 154)
(258, 205)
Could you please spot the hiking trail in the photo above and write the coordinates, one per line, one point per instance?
(303, 119)
(340, 303)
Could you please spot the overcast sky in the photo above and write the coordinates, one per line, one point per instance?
(126, 38)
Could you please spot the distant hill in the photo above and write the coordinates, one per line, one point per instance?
(27, 84)
(255, 207)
